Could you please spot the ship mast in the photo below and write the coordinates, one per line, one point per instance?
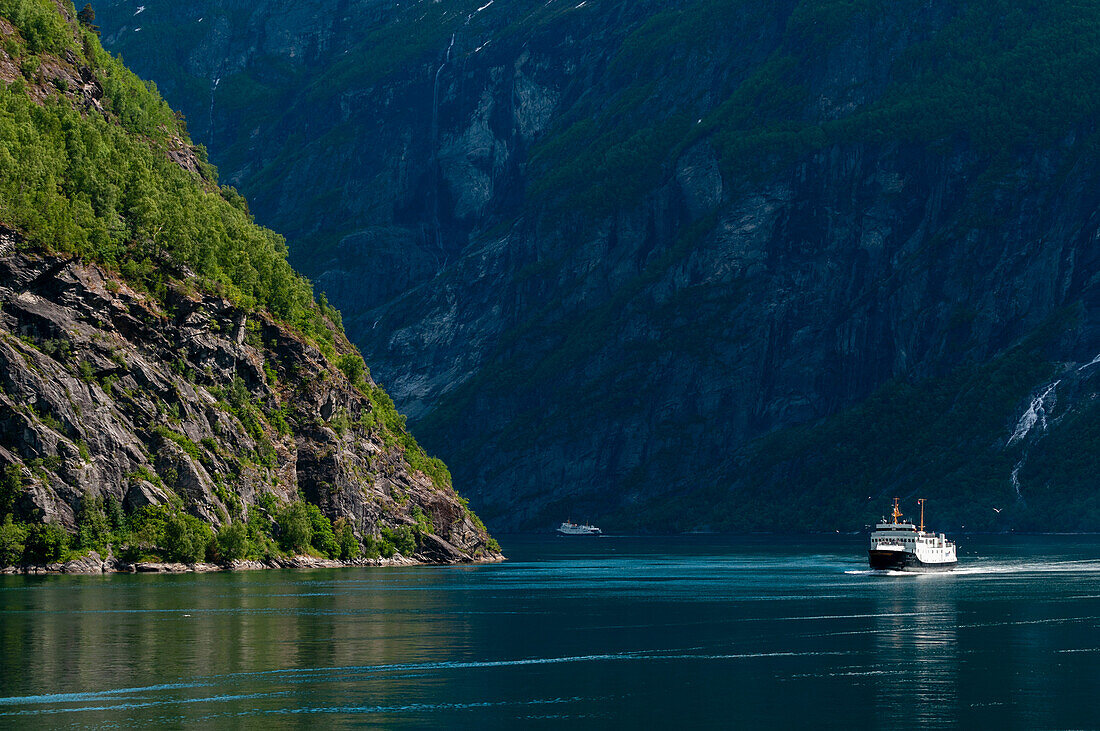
(920, 501)
(897, 512)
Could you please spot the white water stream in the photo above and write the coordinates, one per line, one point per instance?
(1036, 414)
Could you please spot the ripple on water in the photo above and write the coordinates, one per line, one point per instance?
(660, 633)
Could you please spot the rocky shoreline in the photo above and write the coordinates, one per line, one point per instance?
(93, 563)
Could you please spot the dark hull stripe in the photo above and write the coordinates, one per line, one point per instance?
(902, 561)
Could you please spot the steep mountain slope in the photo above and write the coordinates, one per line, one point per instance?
(163, 371)
(689, 264)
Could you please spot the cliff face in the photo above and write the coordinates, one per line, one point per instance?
(105, 392)
(169, 388)
(804, 296)
(633, 251)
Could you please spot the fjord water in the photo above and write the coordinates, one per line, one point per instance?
(610, 632)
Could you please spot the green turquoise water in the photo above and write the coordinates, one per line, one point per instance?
(611, 633)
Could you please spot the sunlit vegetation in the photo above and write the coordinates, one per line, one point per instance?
(105, 189)
(168, 533)
(95, 165)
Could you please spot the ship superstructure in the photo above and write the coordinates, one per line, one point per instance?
(900, 545)
(574, 529)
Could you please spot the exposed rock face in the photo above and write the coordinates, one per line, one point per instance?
(103, 391)
(92, 563)
(605, 357)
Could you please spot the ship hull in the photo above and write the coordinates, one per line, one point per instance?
(903, 561)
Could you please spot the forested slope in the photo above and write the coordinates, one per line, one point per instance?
(169, 387)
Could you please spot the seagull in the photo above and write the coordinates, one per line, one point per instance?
(996, 510)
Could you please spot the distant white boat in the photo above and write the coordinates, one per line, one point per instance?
(573, 529)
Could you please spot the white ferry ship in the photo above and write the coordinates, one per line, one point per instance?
(902, 546)
(573, 529)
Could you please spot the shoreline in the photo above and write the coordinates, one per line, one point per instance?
(800, 534)
(93, 564)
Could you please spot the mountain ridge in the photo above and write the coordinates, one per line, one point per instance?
(670, 231)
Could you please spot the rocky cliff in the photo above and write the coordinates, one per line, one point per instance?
(107, 393)
(681, 264)
(168, 387)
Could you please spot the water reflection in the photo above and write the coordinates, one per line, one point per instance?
(205, 635)
(709, 632)
(916, 644)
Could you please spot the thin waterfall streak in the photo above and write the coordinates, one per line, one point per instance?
(1016, 482)
(210, 134)
(1091, 363)
(435, 177)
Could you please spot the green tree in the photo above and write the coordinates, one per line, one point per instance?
(146, 526)
(92, 527)
(353, 367)
(372, 547)
(40, 24)
(295, 527)
(323, 539)
(86, 16)
(233, 541)
(186, 537)
(13, 538)
(11, 485)
(260, 528)
(346, 541)
(400, 540)
(46, 543)
(116, 516)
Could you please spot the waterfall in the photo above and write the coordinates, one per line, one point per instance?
(210, 136)
(471, 15)
(435, 176)
(1093, 362)
(435, 91)
(1016, 481)
(1036, 414)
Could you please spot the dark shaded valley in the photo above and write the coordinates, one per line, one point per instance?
(686, 265)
